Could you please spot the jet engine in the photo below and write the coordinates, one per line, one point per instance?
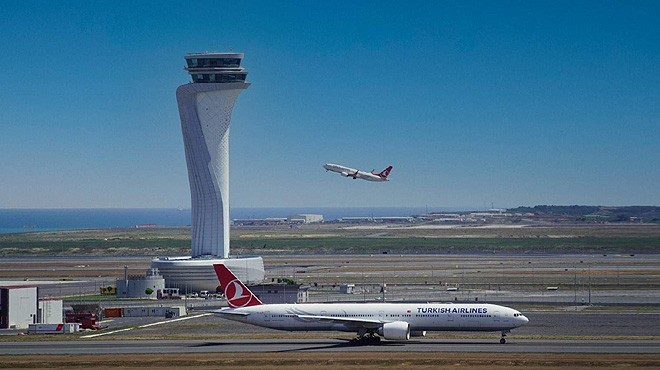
(345, 174)
(397, 330)
(418, 333)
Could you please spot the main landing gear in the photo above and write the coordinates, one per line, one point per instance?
(503, 340)
(365, 339)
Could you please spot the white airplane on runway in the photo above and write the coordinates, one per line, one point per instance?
(371, 321)
(357, 174)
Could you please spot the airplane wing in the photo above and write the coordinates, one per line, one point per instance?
(366, 323)
(230, 312)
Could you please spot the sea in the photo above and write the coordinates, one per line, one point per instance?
(31, 220)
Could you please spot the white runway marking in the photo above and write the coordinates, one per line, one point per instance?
(110, 332)
(169, 321)
(147, 325)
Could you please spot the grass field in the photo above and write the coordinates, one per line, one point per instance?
(335, 239)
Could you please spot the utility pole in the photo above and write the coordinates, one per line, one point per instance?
(589, 285)
(575, 286)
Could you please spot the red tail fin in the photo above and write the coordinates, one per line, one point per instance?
(386, 172)
(236, 293)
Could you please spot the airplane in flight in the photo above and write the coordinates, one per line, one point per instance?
(357, 174)
(371, 321)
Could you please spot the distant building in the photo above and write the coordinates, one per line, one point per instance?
(490, 214)
(444, 215)
(141, 286)
(50, 311)
(394, 219)
(346, 288)
(280, 293)
(259, 221)
(194, 275)
(168, 311)
(356, 219)
(269, 221)
(452, 220)
(305, 218)
(18, 306)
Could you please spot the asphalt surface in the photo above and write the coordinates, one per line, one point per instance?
(635, 317)
(569, 323)
(338, 345)
(599, 279)
(557, 324)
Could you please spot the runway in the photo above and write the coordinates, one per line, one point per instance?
(325, 345)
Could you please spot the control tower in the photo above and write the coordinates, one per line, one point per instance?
(205, 107)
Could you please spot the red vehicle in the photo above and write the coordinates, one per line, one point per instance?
(87, 320)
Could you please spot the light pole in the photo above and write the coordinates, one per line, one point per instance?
(575, 286)
(589, 285)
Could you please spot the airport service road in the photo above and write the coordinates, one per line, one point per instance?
(324, 345)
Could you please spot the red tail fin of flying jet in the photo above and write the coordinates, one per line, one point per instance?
(236, 293)
(385, 172)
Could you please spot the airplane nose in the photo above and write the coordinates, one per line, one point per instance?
(525, 320)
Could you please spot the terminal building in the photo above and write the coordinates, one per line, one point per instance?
(205, 107)
(305, 218)
(391, 220)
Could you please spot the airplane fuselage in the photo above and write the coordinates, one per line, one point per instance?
(350, 316)
(354, 173)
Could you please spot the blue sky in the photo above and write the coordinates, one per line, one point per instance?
(510, 103)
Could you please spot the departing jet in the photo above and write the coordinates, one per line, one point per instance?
(357, 174)
(371, 321)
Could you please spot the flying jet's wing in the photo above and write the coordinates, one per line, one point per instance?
(366, 323)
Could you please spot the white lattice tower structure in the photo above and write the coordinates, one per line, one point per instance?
(205, 107)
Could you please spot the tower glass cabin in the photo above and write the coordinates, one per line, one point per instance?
(215, 67)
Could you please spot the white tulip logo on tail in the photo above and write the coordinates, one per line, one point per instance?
(235, 295)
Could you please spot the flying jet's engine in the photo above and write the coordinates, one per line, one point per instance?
(345, 174)
(397, 330)
(418, 333)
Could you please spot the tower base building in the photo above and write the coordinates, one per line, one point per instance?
(196, 274)
(205, 107)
